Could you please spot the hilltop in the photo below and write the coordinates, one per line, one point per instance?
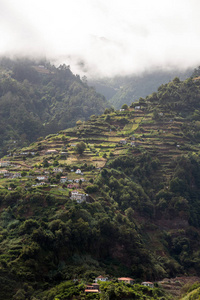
(117, 194)
(37, 98)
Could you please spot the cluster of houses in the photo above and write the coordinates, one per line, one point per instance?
(94, 288)
(76, 195)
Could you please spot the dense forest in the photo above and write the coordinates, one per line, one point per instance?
(116, 195)
(37, 98)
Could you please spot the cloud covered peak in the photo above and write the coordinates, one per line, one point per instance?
(104, 38)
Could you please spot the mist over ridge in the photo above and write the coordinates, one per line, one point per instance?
(103, 39)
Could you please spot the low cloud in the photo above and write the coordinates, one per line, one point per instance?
(104, 38)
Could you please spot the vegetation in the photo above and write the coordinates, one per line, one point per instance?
(117, 195)
(37, 99)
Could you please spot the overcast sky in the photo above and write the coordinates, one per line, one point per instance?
(104, 37)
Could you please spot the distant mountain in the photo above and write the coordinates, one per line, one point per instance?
(36, 99)
(127, 89)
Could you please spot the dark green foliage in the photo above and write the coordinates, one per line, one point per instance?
(80, 147)
(36, 101)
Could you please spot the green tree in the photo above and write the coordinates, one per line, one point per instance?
(124, 106)
(80, 147)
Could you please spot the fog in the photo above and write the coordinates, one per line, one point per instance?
(103, 37)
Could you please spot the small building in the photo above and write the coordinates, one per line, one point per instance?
(63, 179)
(41, 178)
(63, 153)
(95, 286)
(90, 289)
(137, 107)
(8, 174)
(78, 171)
(122, 109)
(148, 283)
(24, 153)
(100, 278)
(160, 114)
(17, 175)
(3, 171)
(57, 170)
(77, 180)
(42, 183)
(123, 142)
(51, 151)
(126, 280)
(4, 163)
(78, 197)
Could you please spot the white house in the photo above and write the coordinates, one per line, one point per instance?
(77, 180)
(148, 283)
(78, 171)
(137, 107)
(101, 278)
(41, 177)
(24, 153)
(63, 179)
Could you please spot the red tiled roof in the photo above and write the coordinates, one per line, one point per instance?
(91, 291)
(126, 278)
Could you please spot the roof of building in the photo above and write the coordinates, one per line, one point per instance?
(125, 278)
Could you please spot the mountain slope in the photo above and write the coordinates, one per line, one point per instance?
(136, 175)
(37, 99)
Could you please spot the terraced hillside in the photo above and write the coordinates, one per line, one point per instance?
(117, 194)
